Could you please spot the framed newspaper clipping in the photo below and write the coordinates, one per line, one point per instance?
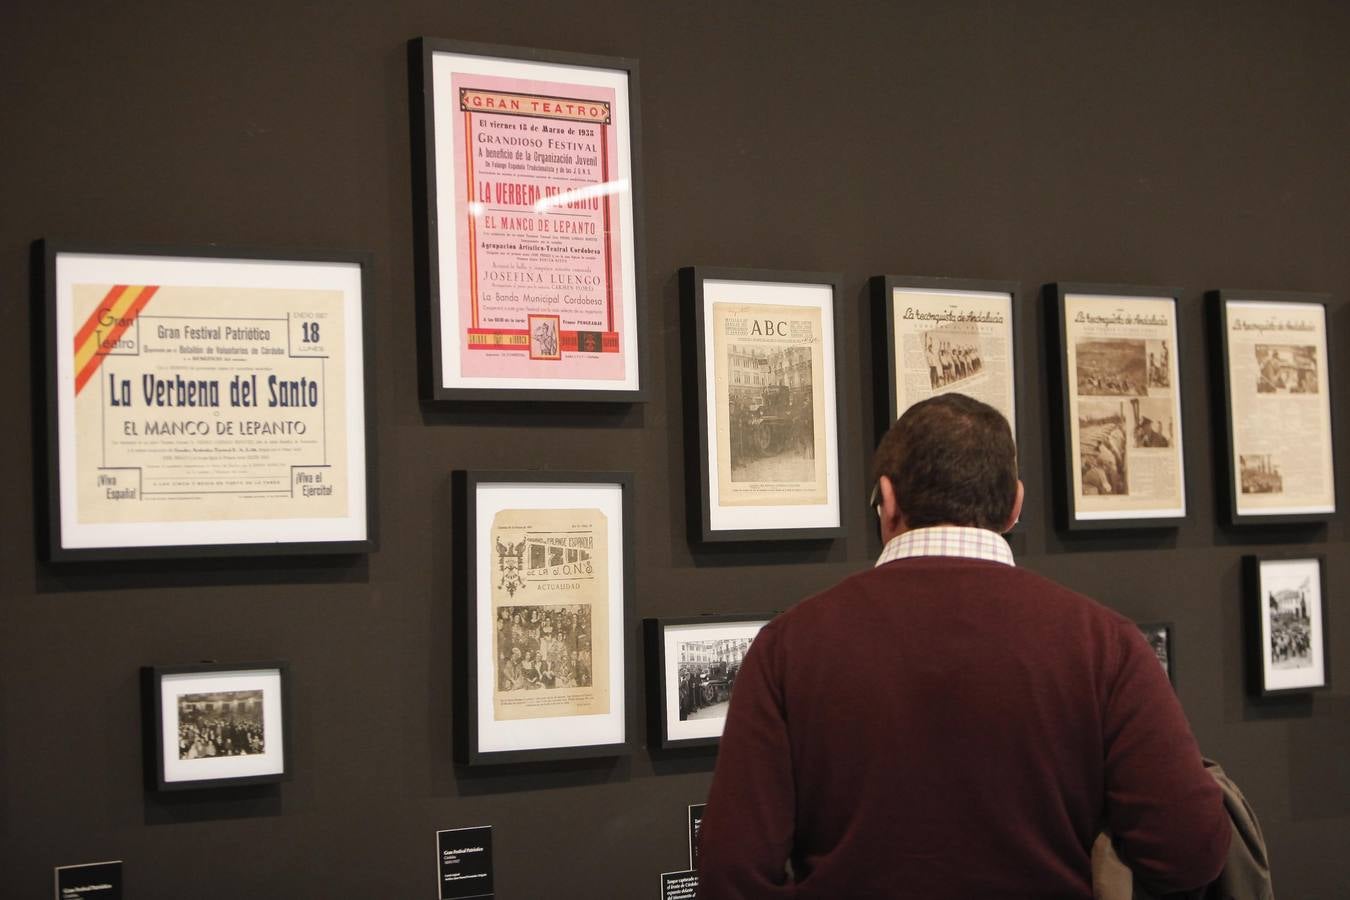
(692, 665)
(1286, 625)
(214, 725)
(761, 352)
(545, 594)
(943, 335)
(529, 248)
(1272, 361)
(205, 402)
(1119, 407)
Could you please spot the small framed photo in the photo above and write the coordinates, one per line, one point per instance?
(1120, 454)
(1286, 626)
(1159, 637)
(762, 351)
(215, 725)
(530, 223)
(544, 598)
(692, 665)
(205, 402)
(1271, 357)
(943, 335)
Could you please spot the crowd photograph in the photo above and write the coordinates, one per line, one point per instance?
(707, 673)
(543, 647)
(1112, 368)
(222, 723)
(1290, 629)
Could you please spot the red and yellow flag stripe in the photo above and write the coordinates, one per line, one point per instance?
(105, 326)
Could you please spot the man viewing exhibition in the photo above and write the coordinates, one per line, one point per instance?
(947, 725)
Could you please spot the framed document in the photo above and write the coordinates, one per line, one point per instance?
(546, 593)
(762, 355)
(1285, 625)
(529, 235)
(943, 335)
(692, 665)
(1159, 637)
(205, 402)
(212, 725)
(1119, 407)
(1277, 462)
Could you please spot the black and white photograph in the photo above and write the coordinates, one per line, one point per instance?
(1159, 637)
(952, 356)
(1286, 369)
(220, 723)
(692, 666)
(1116, 367)
(1286, 615)
(1153, 423)
(1102, 447)
(1159, 364)
(772, 418)
(1260, 473)
(216, 724)
(543, 647)
(707, 671)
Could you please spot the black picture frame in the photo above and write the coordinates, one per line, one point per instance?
(1229, 467)
(429, 224)
(666, 724)
(815, 522)
(1163, 632)
(166, 773)
(1266, 578)
(470, 498)
(270, 539)
(886, 401)
(1070, 512)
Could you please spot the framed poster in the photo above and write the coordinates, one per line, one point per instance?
(1119, 407)
(1159, 637)
(1277, 464)
(530, 229)
(212, 725)
(762, 353)
(205, 402)
(541, 620)
(692, 665)
(1286, 626)
(943, 335)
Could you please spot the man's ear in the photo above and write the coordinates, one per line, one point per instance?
(891, 516)
(1016, 508)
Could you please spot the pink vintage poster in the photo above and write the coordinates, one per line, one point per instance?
(536, 202)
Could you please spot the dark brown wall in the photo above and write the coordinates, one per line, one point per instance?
(1202, 144)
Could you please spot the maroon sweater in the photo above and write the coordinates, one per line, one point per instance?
(943, 727)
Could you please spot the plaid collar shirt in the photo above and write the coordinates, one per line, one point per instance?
(948, 540)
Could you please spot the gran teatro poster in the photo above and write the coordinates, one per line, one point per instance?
(203, 404)
(532, 164)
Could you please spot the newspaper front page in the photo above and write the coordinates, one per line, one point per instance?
(1124, 407)
(1281, 408)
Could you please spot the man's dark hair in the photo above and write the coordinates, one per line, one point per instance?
(952, 461)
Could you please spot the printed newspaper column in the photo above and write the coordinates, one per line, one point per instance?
(550, 605)
(535, 196)
(768, 368)
(1281, 410)
(209, 403)
(1125, 414)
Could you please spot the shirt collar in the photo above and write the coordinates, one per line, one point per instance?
(948, 540)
